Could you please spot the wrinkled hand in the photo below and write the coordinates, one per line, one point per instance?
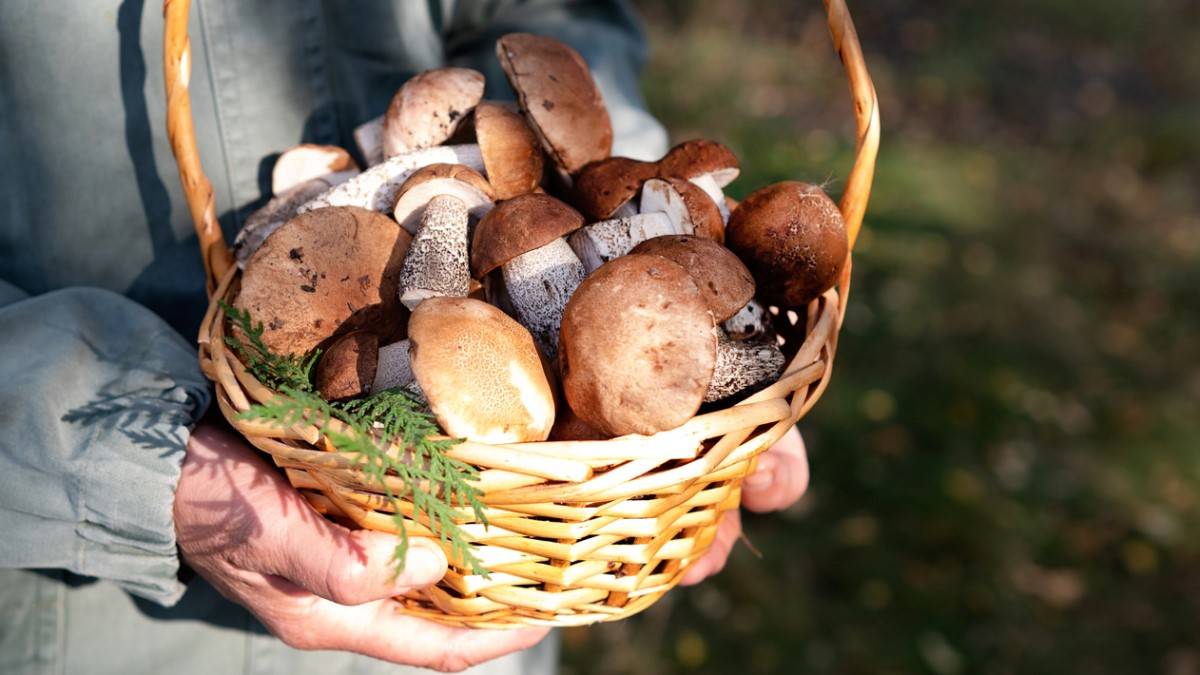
(778, 481)
(313, 583)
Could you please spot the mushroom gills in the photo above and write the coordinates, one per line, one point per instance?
(606, 240)
(706, 182)
(539, 284)
(436, 264)
(377, 188)
(742, 365)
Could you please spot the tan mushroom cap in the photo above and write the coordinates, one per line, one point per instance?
(723, 280)
(637, 346)
(323, 272)
(706, 217)
(430, 181)
(603, 187)
(519, 226)
(511, 152)
(427, 109)
(481, 372)
(559, 98)
(792, 237)
(699, 157)
(347, 368)
(305, 162)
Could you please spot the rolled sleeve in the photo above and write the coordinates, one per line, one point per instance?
(97, 397)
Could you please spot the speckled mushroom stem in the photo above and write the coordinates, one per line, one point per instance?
(377, 187)
(741, 365)
(394, 367)
(436, 264)
(601, 242)
(540, 283)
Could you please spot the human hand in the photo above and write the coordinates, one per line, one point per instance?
(778, 481)
(313, 583)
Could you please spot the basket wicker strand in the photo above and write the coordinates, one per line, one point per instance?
(579, 531)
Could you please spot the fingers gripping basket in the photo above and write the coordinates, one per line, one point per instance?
(579, 531)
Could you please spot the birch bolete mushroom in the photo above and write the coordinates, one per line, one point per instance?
(708, 164)
(456, 180)
(427, 109)
(559, 98)
(305, 162)
(322, 273)
(355, 364)
(368, 137)
(511, 153)
(742, 365)
(637, 346)
(690, 209)
(663, 212)
(279, 210)
(524, 238)
(480, 371)
(792, 237)
(377, 187)
(606, 189)
(436, 264)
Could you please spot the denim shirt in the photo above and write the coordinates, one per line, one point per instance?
(101, 285)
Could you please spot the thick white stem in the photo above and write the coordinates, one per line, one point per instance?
(376, 188)
(659, 196)
(437, 263)
(394, 367)
(540, 283)
(600, 242)
(369, 138)
(741, 365)
(705, 182)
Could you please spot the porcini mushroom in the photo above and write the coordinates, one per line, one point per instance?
(279, 210)
(427, 109)
(511, 153)
(708, 164)
(308, 161)
(637, 346)
(377, 187)
(324, 272)
(792, 237)
(602, 189)
(560, 99)
(524, 238)
(480, 371)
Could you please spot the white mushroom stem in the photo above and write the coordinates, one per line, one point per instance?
(749, 323)
(600, 242)
(659, 196)
(394, 367)
(368, 136)
(437, 263)
(377, 187)
(706, 182)
(278, 211)
(741, 365)
(540, 283)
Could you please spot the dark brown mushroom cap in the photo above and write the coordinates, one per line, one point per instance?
(511, 152)
(723, 280)
(347, 368)
(792, 237)
(327, 271)
(697, 157)
(637, 346)
(559, 97)
(602, 187)
(706, 217)
(518, 226)
(568, 427)
(427, 109)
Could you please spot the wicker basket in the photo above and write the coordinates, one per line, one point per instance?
(579, 531)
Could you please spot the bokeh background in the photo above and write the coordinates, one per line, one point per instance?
(1006, 467)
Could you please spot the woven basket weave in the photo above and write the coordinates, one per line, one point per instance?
(579, 531)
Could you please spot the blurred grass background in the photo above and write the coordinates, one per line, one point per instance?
(1006, 468)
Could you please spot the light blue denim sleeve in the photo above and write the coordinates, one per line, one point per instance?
(97, 396)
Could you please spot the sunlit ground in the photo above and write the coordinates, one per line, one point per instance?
(1006, 469)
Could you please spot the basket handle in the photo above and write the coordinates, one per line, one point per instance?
(177, 70)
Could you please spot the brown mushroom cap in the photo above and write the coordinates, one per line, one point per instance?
(723, 280)
(518, 226)
(481, 372)
(698, 157)
(427, 109)
(439, 179)
(559, 98)
(706, 217)
(568, 427)
(323, 272)
(792, 237)
(348, 367)
(511, 152)
(603, 187)
(637, 346)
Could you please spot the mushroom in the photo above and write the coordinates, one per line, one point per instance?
(368, 136)
(602, 189)
(751, 322)
(455, 180)
(560, 99)
(427, 109)
(510, 149)
(524, 238)
(663, 212)
(322, 273)
(687, 205)
(793, 238)
(480, 371)
(278, 211)
(436, 264)
(708, 164)
(569, 427)
(727, 287)
(355, 364)
(377, 187)
(308, 161)
(637, 346)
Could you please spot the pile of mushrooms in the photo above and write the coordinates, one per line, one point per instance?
(494, 261)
